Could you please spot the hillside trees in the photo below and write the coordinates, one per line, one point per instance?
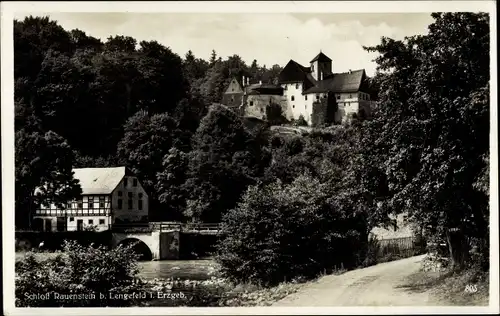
(434, 109)
(224, 160)
(43, 162)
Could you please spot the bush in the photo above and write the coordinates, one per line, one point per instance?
(84, 272)
(301, 121)
(281, 232)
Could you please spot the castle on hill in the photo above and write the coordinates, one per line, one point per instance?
(311, 92)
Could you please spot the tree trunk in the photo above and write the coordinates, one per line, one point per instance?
(458, 249)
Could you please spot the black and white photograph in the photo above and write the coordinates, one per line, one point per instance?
(249, 157)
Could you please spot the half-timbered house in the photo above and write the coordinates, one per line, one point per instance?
(109, 196)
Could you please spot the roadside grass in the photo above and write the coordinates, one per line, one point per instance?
(449, 288)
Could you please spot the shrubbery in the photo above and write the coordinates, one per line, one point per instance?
(280, 232)
(77, 270)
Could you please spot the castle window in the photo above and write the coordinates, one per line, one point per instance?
(293, 106)
(293, 98)
(251, 103)
(305, 97)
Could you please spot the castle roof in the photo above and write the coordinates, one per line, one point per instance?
(295, 72)
(340, 82)
(321, 58)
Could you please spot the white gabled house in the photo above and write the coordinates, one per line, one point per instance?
(109, 196)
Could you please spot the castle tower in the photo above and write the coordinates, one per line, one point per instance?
(321, 66)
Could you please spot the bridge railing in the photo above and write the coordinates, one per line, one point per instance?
(138, 227)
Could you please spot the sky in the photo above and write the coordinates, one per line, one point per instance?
(270, 38)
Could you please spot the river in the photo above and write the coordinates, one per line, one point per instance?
(201, 269)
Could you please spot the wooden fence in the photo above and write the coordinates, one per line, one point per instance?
(398, 247)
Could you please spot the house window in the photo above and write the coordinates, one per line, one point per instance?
(232, 99)
(71, 219)
(125, 182)
(140, 205)
(140, 195)
(120, 193)
(338, 97)
(91, 203)
(293, 98)
(297, 86)
(305, 97)
(317, 96)
(68, 205)
(350, 96)
(232, 89)
(80, 204)
(101, 201)
(130, 194)
(251, 103)
(101, 222)
(285, 88)
(120, 204)
(135, 182)
(91, 222)
(130, 204)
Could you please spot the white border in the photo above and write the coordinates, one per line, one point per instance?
(7, 13)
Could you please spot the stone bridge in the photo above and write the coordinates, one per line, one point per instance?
(159, 241)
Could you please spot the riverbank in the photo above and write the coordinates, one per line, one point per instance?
(198, 270)
(195, 283)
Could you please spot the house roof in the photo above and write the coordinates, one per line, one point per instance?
(321, 58)
(99, 180)
(340, 82)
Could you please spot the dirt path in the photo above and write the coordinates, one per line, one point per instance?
(379, 285)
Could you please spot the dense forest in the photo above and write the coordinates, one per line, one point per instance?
(425, 152)
(85, 103)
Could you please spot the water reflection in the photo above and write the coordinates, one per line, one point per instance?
(183, 269)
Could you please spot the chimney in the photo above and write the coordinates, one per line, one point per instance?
(321, 76)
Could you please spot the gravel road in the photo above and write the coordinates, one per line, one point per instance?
(379, 285)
